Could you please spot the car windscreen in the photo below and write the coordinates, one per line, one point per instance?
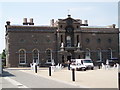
(87, 61)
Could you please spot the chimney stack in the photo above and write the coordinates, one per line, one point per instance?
(28, 23)
(85, 21)
(113, 25)
(25, 21)
(8, 22)
(31, 21)
(52, 22)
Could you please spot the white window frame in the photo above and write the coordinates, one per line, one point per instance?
(24, 56)
(33, 55)
(50, 57)
(111, 53)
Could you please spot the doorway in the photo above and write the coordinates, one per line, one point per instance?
(69, 58)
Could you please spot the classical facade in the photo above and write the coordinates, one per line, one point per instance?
(63, 40)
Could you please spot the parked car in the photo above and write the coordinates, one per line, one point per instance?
(82, 64)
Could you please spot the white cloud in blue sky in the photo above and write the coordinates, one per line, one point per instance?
(97, 13)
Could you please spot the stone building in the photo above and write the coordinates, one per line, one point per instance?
(63, 40)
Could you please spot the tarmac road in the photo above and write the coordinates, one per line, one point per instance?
(31, 81)
(16, 78)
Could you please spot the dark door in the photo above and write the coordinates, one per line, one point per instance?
(69, 58)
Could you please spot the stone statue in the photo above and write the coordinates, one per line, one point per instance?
(62, 45)
(78, 45)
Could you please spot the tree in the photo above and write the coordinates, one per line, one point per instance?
(3, 55)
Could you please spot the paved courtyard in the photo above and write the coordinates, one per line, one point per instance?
(98, 78)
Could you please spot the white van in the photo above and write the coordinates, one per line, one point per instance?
(82, 64)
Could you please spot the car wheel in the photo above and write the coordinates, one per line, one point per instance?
(83, 69)
(92, 68)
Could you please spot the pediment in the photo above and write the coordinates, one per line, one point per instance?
(69, 20)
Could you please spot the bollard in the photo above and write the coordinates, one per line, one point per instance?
(98, 66)
(35, 68)
(50, 71)
(73, 74)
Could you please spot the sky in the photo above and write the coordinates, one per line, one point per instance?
(119, 17)
(97, 13)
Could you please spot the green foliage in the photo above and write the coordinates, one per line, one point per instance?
(3, 55)
(0, 55)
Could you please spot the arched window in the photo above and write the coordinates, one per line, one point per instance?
(99, 55)
(35, 56)
(48, 55)
(87, 53)
(68, 41)
(109, 53)
(22, 56)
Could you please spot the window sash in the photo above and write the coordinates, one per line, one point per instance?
(22, 57)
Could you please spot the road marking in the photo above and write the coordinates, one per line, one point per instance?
(19, 85)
